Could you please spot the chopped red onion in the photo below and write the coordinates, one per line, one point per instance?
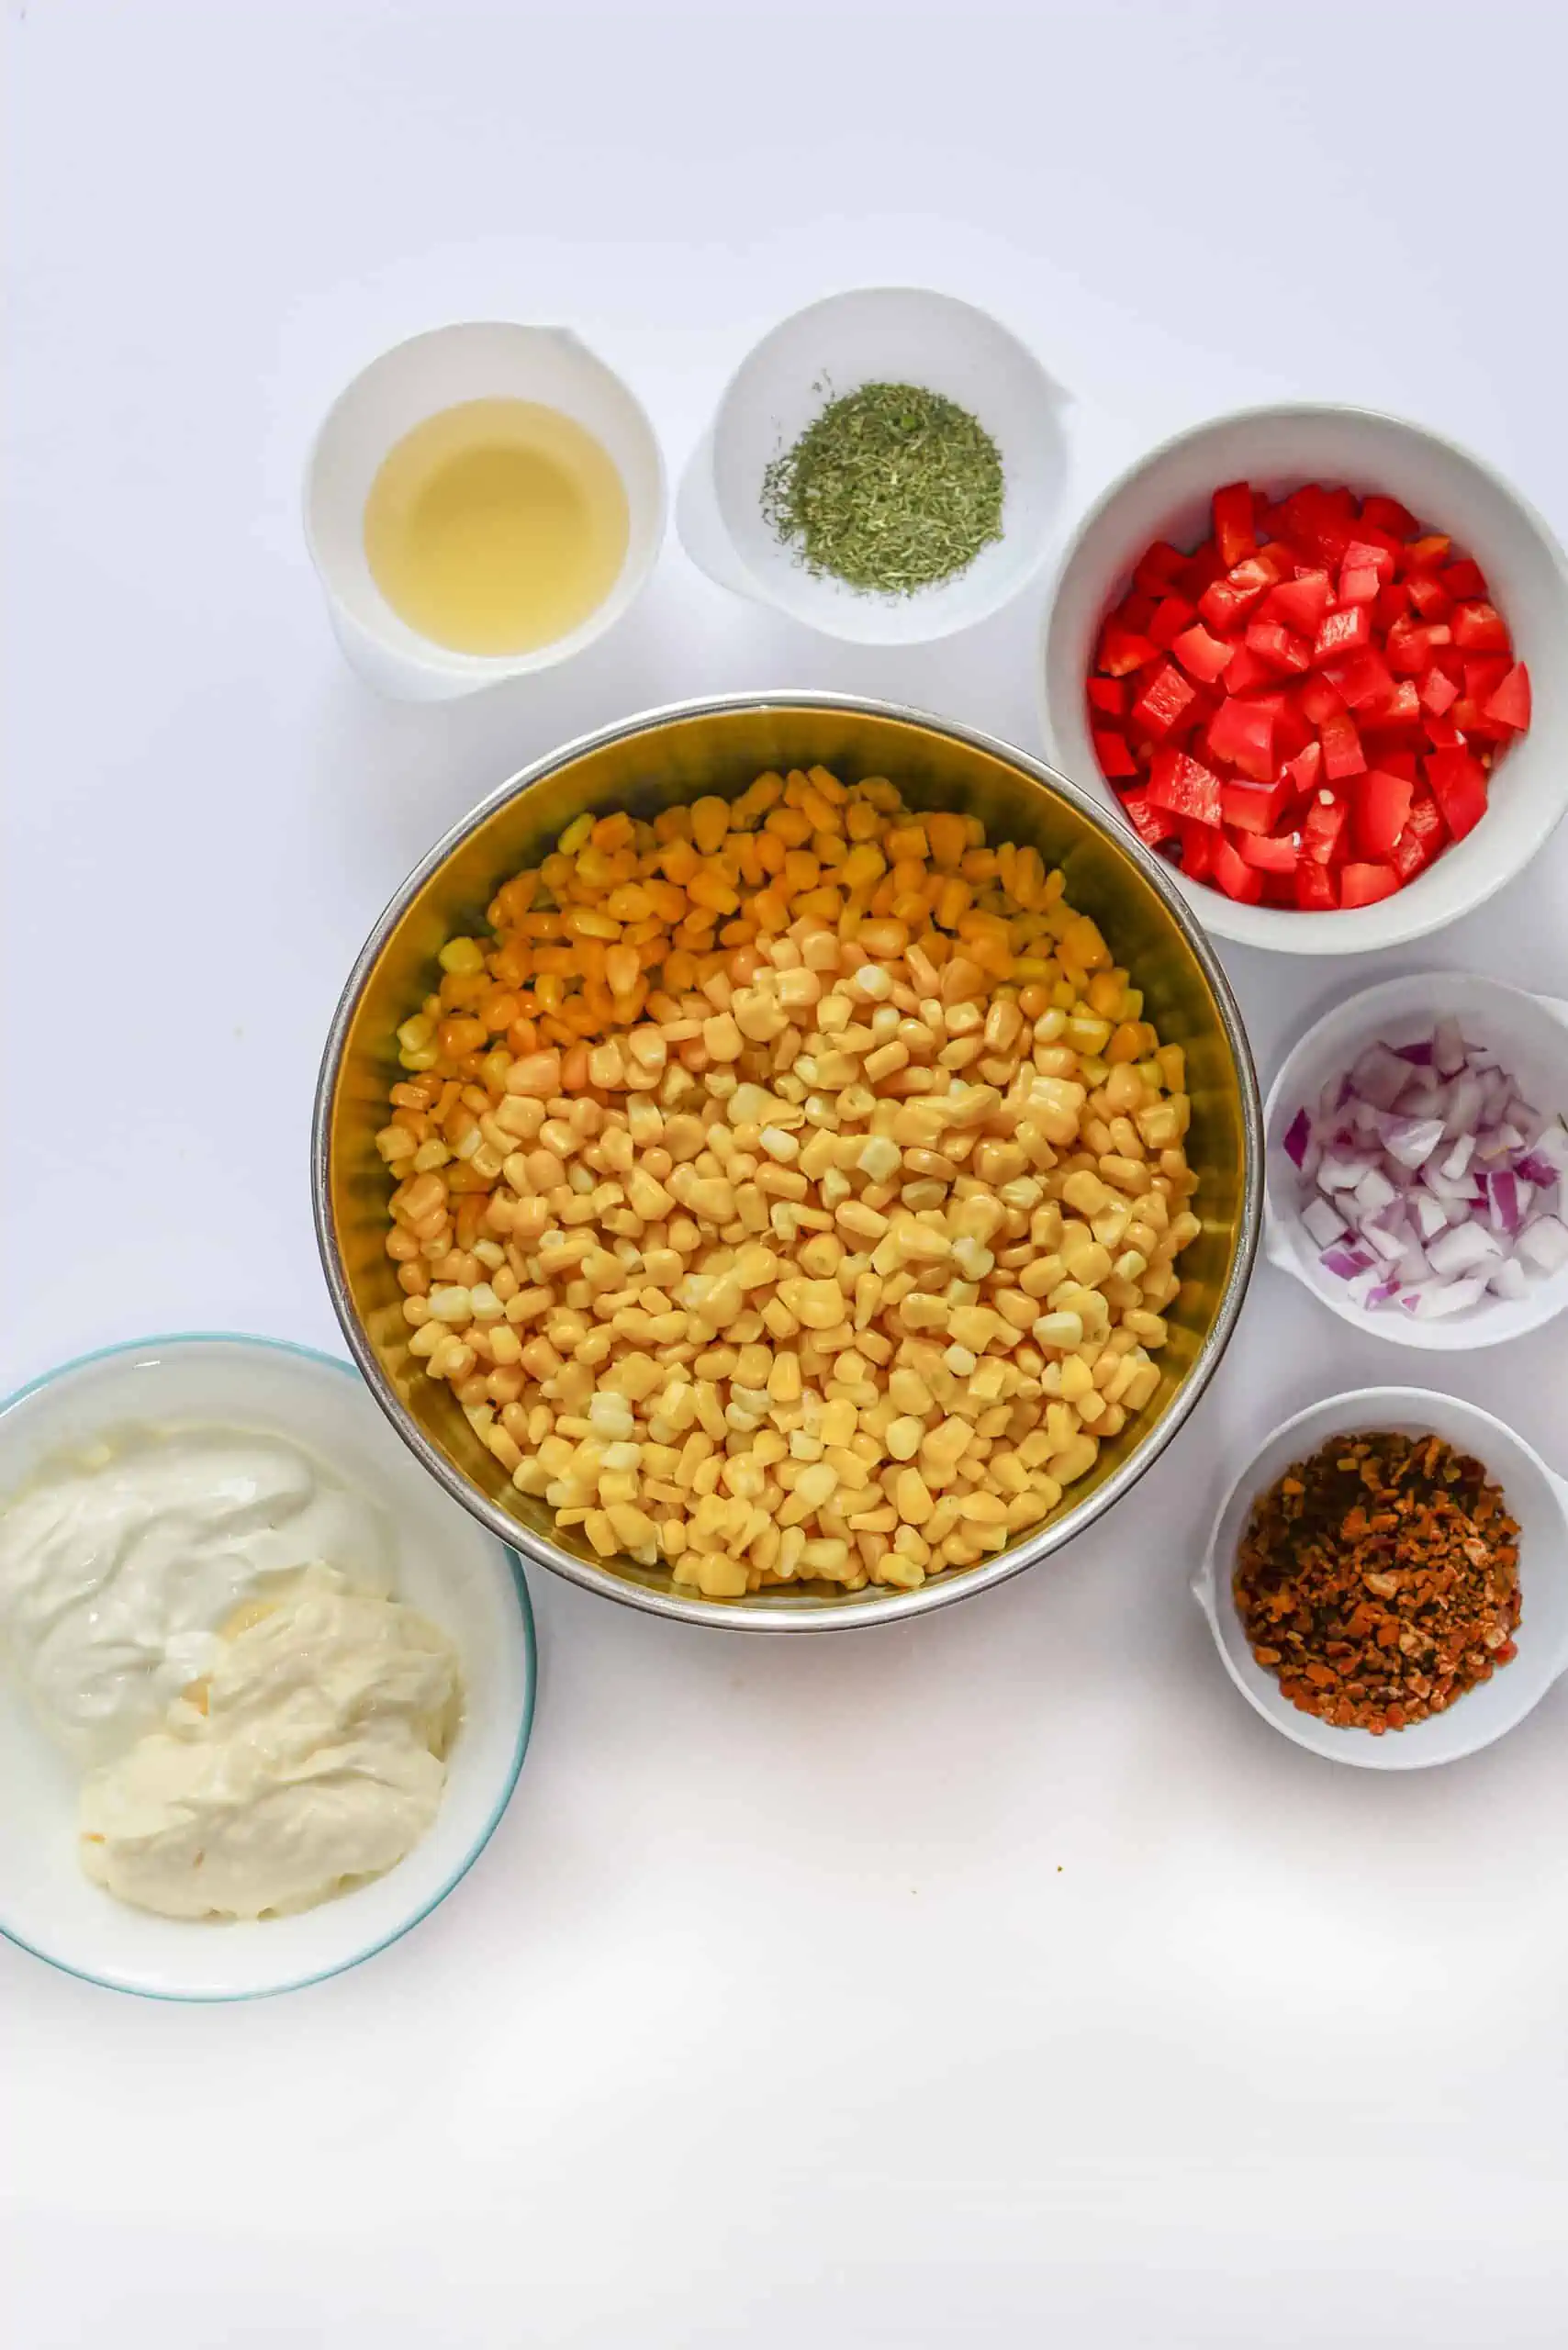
(1427, 1181)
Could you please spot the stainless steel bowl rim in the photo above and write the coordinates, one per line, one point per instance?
(794, 1615)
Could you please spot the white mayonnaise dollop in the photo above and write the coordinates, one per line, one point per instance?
(115, 1578)
(311, 1754)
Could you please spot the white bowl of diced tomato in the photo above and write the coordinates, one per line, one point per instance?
(1315, 656)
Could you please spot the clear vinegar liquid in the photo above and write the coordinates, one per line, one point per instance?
(497, 526)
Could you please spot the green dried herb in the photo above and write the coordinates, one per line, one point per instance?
(892, 489)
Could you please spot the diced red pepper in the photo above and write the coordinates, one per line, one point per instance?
(1111, 750)
(1203, 567)
(1165, 700)
(1428, 552)
(1233, 874)
(1122, 650)
(1242, 732)
(1197, 849)
(1323, 827)
(1393, 604)
(1109, 695)
(1463, 579)
(1183, 787)
(1387, 514)
(1159, 569)
(1285, 652)
(1393, 759)
(1441, 733)
(1135, 611)
(1171, 615)
(1458, 787)
(1313, 521)
(1413, 646)
(1151, 824)
(1363, 885)
(1380, 811)
(1246, 671)
(1365, 569)
(1235, 530)
(1256, 807)
(1270, 852)
(1306, 770)
(1365, 681)
(1510, 702)
(1427, 596)
(1202, 655)
(1342, 753)
(1422, 838)
(1226, 603)
(1315, 889)
(1343, 632)
(1299, 603)
(1318, 700)
(1438, 693)
(1483, 674)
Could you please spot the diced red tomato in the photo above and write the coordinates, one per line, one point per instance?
(1315, 889)
(1235, 529)
(1424, 836)
(1202, 655)
(1233, 874)
(1342, 753)
(1165, 700)
(1270, 852)
(1284, 652)
(1123, 650)
(1171, 615)
(1379, 810)
(1183, 787)
(1363, 885)
(1256, 807)
(1458, 787)
(1111, 750)
(1509, 702)
(1341, 632)
(1242, 733)
(1151, 824)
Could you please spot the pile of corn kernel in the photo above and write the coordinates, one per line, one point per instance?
(789, 1189)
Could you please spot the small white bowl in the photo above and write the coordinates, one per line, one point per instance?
(1529, 1034)
(1166, 495)
(881, 334)
(416, 380)
(445, 1564)
(1537, 1498)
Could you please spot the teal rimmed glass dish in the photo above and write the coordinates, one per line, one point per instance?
(445, 1564)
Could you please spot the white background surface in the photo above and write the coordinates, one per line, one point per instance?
(996, 1981)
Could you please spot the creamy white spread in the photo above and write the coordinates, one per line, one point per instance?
(310, 1755)
(117, 1575)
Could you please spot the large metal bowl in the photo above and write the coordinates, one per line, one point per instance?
(645, 763)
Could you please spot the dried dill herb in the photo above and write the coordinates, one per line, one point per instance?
(892, 489)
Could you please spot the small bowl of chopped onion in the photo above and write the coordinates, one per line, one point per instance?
(1417, 1160)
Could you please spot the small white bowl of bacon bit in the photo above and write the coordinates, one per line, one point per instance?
(1417, 1160)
